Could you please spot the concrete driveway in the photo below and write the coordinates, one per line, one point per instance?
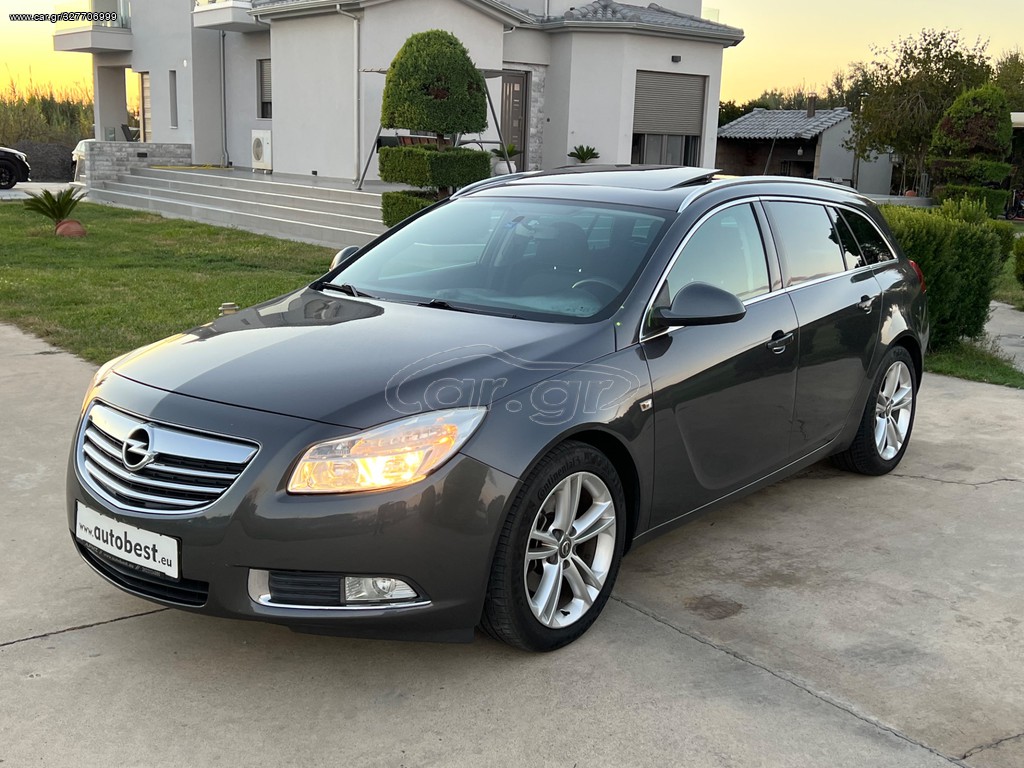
(21, 191)
(828, 621)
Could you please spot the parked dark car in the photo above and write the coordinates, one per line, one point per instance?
(14, 167)
(469, 421)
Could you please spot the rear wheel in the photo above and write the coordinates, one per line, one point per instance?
(888, 418)
(8, 174)
(559, 551)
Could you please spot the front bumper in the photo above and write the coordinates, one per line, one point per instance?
(438, 535)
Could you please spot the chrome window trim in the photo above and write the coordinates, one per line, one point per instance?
(784, 289)
(259, 593)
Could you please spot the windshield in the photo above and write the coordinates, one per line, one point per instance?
(537, 259)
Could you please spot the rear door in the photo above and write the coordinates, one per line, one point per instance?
(838, 307)
(722, 394)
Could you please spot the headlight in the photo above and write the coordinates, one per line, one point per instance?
(393, 455)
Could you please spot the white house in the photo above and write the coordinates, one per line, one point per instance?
(638, 83)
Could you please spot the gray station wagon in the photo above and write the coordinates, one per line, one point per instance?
(469, 421)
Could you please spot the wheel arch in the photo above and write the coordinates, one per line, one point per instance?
(913, 347)
(625, 466)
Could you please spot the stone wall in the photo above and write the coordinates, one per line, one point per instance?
(104, 160)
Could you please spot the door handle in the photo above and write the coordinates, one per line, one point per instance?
(779, 342)
(866, 302)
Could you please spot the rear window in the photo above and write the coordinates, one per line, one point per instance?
(872, 245)
(808, 242)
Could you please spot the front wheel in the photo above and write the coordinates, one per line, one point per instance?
(559, 551)
(8, 174)
(888, 418)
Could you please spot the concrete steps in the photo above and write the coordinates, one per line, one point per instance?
(322, 212)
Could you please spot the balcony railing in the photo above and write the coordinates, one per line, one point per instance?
(104, 27)
(113, 14)
(226, 15)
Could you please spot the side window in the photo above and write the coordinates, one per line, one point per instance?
(872, 244)
(807, 241)
(847, 242)
(725, 251)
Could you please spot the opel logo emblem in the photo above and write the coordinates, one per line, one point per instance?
(135, 452)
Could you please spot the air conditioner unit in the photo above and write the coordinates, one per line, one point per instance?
(262, 158)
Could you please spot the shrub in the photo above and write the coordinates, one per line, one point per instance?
(427, 166)
(1007, 234)
(398, 206)
(994, 200)
(974, 172)
(976, 125)
(1018, 258)
(432, 85)
(960, 261)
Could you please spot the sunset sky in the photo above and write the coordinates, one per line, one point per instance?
(788, 43)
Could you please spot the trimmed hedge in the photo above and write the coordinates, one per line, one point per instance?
(428, 166)
(398, 206)
(973, 172)
(960, 260)
(1018, 256)
(994, 200)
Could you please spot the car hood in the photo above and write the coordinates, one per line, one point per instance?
(357, 363)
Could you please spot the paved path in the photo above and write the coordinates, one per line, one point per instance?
(20, 191)
(829, 621)
(1006, 327)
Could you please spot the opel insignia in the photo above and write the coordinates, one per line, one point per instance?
(469, 421)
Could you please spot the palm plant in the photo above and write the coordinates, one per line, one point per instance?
(57, 207)
(584, 153)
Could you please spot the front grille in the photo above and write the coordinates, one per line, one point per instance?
(187, 471)
(305, 588)
(183, 591)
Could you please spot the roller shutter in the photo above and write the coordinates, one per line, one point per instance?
(668, 103)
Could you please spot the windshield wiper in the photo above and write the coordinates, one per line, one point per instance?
(442, 304)
(348, 288)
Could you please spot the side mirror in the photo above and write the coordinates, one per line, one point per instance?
(343, 255)
(699, 304)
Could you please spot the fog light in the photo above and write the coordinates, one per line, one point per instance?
(377, 589)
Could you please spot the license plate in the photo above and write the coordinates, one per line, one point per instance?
(145, 549)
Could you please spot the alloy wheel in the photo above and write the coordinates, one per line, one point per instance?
(893, 410)
(570, 550)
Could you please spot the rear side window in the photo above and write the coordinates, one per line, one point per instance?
(847, 242)
(872, 244)
(807, 240)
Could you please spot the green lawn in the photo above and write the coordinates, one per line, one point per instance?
(1008, 290)
(136, 277)
(975, 361)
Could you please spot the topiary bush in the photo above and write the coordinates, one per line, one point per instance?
(432, 85)
(428, 166)
(398, 206)
(969, 147)
(960, 259)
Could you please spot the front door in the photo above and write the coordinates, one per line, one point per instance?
(515, 105)
(723, 395)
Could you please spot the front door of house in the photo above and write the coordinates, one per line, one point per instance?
(515, 105)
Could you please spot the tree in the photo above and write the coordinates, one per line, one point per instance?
(432, 86)
(1009, 75)
(908, 88)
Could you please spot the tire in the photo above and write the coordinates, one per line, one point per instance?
(888, 419)
(535, 560)
(8, 174)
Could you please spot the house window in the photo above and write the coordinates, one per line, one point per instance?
(263, 89)
(147, 107)
(172, 91)
(665, 149)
